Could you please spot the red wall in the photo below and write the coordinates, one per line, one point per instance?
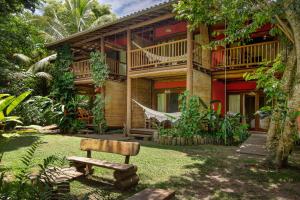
(241, 86)
(170, 29)
(218, 90)
(218, 93)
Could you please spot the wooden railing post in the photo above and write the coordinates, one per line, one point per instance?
(128, 115)
(189, 75)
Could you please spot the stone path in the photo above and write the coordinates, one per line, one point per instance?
(254, 145)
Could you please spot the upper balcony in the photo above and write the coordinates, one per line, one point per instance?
(245, 56)
(82, 71)
(163, 56)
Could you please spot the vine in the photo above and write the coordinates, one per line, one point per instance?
(100, 72)
(63, 91)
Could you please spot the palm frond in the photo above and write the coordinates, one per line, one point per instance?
(44, 75)
(22, 58)
(40, 65)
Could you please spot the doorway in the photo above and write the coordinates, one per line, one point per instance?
(248, 103)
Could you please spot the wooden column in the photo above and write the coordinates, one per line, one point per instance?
(102, 47)
(128, 118)
(189, 75)
(204, 40)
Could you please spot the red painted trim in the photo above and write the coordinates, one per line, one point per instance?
(170, 29)
(241, 86)
(172, 84)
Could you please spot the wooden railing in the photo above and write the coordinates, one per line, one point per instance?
(114, 66)
(248, 55)
(166, 53)
(81, 69)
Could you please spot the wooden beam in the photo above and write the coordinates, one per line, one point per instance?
(189, 76)
(144, 23)
(128, 118)
(168, 72)
(102, 45)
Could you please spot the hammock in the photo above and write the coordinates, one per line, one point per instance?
(154, 57)
(160, 116)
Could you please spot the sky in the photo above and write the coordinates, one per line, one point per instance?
(125, 7)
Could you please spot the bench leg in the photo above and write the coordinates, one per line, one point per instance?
(127, 179)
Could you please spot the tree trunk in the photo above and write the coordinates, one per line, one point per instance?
(286, 138)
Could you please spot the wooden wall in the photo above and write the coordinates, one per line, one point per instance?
(202, 85)
(141, 92)
(115, 107)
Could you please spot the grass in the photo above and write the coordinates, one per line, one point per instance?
(207, 171)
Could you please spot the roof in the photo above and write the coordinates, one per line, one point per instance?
(121, 23)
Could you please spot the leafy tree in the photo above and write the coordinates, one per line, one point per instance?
(243, 17)
(17, 36)
(64, 17)
(13, 6)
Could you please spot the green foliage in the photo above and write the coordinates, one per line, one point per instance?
(267, 79)
(23, 187)
(99, 68)
(100, 72)
(7, 104)
(98, 114)
(63, 79)
(235, 13)
(17, 36)
(188, 124)
(60, 19)
(12, 6)
(40, 111)
(199, 119)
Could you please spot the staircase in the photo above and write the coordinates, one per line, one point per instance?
(142, 133)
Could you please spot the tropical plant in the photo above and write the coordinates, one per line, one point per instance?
(7, 104)
(99, 68)
(40, 110)
(65, 17)
(23, 187)
(100, 71)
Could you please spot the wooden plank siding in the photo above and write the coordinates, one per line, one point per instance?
(115, 106)
(141, 90)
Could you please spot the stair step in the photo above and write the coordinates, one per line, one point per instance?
(142, 131)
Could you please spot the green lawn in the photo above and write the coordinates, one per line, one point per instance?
(212, 172)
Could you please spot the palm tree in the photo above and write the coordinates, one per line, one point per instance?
(61, 20)
(39, 70)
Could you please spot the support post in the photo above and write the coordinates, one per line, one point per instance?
(189, 75)
(128, 116)
(102, 46)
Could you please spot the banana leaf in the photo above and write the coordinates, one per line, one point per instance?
(6, 102)
(17, 101)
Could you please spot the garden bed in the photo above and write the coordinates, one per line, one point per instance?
(194, 140)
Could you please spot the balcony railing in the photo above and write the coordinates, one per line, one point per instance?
(163, 55)
(248, 55)
(81, 69)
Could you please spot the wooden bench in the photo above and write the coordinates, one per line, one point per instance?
(153, 194)
(124, 173)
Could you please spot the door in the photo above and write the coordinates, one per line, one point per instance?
(167, 101)
(248, 103)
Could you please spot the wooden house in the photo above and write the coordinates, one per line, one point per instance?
(153, 58)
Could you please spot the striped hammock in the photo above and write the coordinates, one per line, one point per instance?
(160, 116)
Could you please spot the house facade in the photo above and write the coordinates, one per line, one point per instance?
(153, 58)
